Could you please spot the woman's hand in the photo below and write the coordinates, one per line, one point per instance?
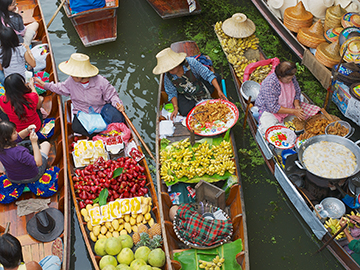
(31, 127)
(343, 222)
(33, 136)
(174, 113)
(221, 95)
(299, 113)
(38, 81)
(120, 107)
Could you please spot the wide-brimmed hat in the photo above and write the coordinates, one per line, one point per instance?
(167, 59)
(238, 26)
(79, 66)
(46, 225)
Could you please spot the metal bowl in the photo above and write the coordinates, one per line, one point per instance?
(250, 88)
(334, 207)
(343, 123)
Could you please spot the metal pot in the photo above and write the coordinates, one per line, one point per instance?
(330, 138)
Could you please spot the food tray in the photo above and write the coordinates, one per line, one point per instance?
(217, 126)
(280, 136)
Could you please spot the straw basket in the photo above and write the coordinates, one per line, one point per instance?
(297, 17)
(328, 54)
(333, 17)
(313, 36)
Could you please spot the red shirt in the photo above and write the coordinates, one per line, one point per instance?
(31, 115)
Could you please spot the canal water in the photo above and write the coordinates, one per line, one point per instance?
(278, 237)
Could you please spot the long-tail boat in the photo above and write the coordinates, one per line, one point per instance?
(34, 250)
(95, 26)
(234, 203)
(70, 139)
(300, 197)
(175, 8)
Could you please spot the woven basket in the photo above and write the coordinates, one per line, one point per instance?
(297, 17)
(328, 54)
(313, 36)
(333, 17)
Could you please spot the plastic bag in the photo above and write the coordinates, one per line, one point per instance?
(251, 67)
(120, 128)
(40, 52)
(92, 121)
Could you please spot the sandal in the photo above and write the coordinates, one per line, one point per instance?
(57, 248)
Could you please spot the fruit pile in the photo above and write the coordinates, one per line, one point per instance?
(126, 224)
(215, 264)
(89, 182)
(119, 253)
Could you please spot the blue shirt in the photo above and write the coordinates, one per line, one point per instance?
(198, 69)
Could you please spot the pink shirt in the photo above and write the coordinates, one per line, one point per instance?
(286, 99)
(97, 93)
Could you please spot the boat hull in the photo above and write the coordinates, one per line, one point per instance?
(173, 8)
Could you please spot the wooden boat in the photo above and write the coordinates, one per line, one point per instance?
(95, 26)
(321, 73)
(71, 170)
(34, 250)
(299, 201)
(234, 203)
(175, 8)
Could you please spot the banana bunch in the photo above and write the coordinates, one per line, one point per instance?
(352, 213)
(124, 225)
(215, 264)
(219, 31)
(334, 226)
(196, 161)
(260, 73)
(182, 144)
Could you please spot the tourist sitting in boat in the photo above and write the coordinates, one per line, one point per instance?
(22, 167)
(279, 96)
(186, 80)
(13, 54)
(354, 244)
(87, 89)
(21, 103)
(11, 18)
(83, 5)
(11, 257)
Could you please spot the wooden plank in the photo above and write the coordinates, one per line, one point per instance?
(37, 255)
(27, 253)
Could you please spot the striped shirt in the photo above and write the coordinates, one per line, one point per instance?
(198, 69)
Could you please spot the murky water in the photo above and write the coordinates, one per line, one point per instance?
(278, 238)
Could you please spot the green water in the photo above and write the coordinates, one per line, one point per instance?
(278, 238)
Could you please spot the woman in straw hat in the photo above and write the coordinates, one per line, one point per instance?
(86, 88)
(279, 96)
(186, 80)
(11, 257)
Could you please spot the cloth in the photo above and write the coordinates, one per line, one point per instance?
(269, 93)
(18, 161)
(32, 116)
(50, 262)
(17, 62)
(47, 185)
(83, 5)
(44, 76)
(9, 191)
(354, 245)
(96, 94)
(196, 229)
(26, 207)
(286, 99)
(199, 70)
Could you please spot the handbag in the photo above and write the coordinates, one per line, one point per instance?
(92, 121)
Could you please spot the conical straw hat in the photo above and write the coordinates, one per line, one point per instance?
(238, 26)
(167, 59)
(333, 17)
(299, 12)
(79, 66)
(328, 54)
(312, 36)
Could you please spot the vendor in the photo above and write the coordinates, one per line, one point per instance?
(354, 244)
(279, 96)
(186, 80)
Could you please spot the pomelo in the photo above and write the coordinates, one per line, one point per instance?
(100, 247)
(113, 246)
(126, 241)
(135, 264)
(123, 267)
(142, 253)
(107, 260)
(157, 257)
(109, 267)
(145, 267)
(126, 256)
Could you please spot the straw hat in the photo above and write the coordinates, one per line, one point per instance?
(333, 34)
(313, 36)
(350, 19)
(352, 53)
(328, 54)
(333, 17)
(238, 26)
(297, 17)
(347, 33)
(79, 66)
(167, 59)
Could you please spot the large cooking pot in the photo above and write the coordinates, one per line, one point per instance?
(330, 138)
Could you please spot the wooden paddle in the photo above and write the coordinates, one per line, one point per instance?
(138, 135)
(56, 12)
(248, 102)
(331, 239)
